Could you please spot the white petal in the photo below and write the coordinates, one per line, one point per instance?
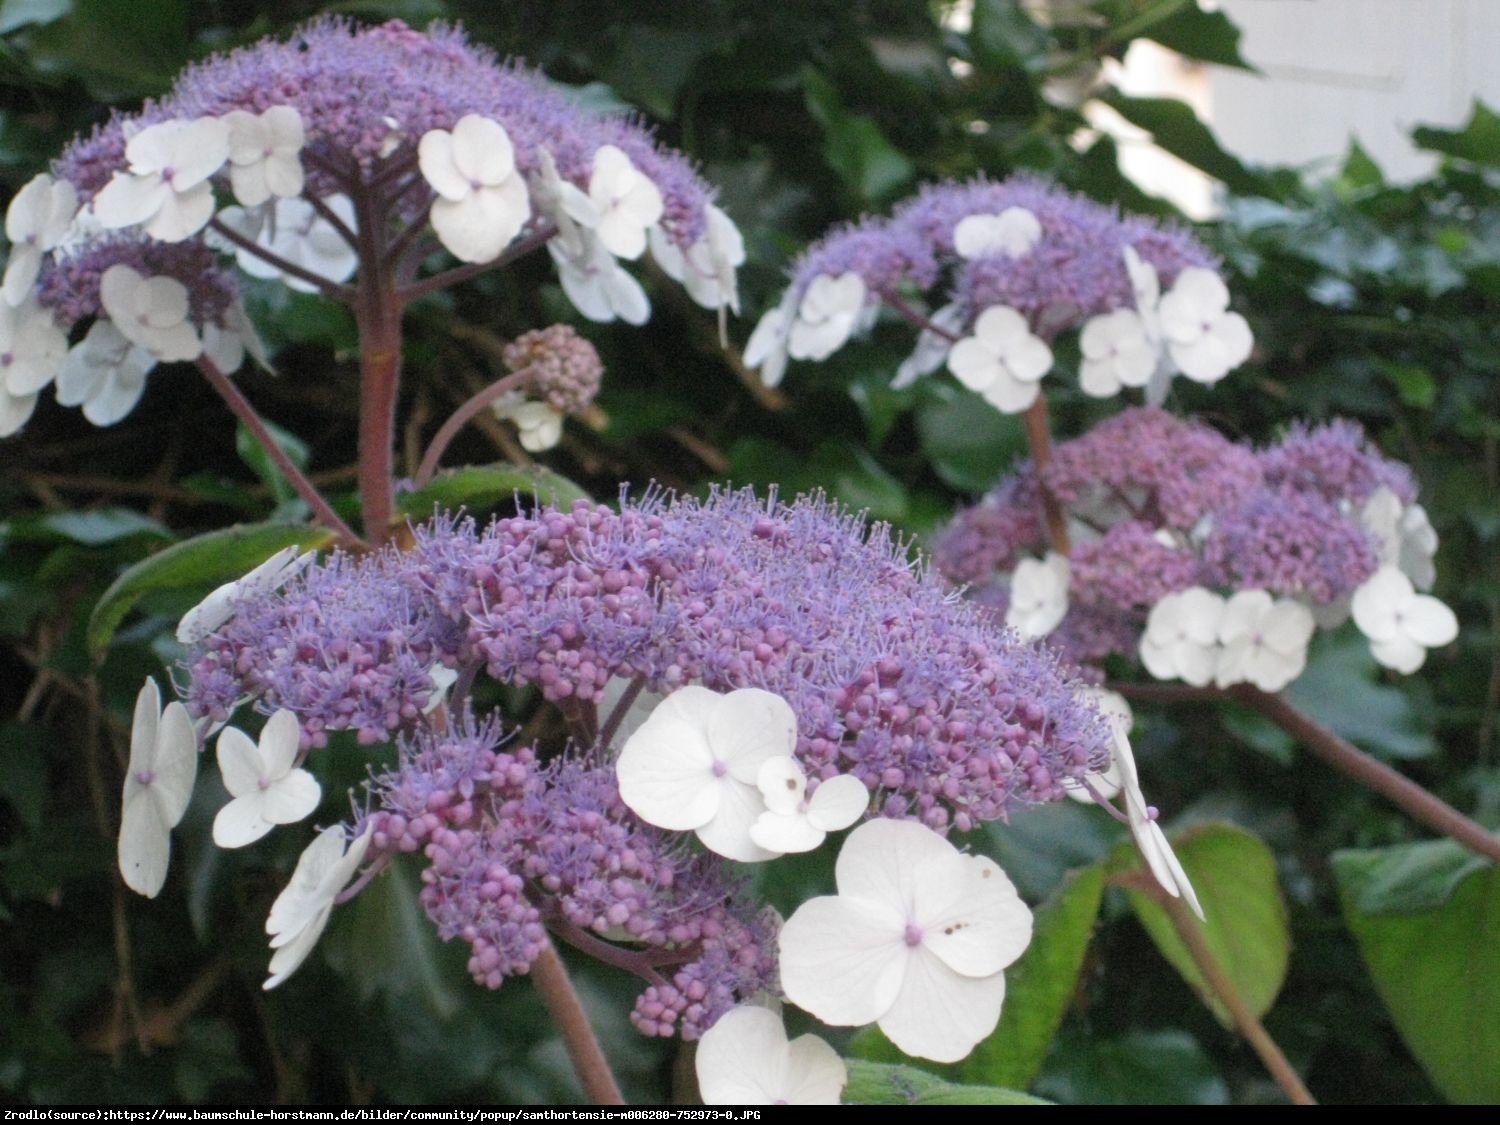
(479, 226)
(176, 764)
(786, 833)
(182, 215)
(973, 364)
(971, 917)
(843, 961)
(1013, 232)
(240, 762)
(749, 726)
(882, 862)
(815, 1074)
(128, 199)
(940, 1015)
(665, 769)
(144, 846)
(305, 895)
(435, 158)
(482, 150)
(728, 833)
(1377, 601)
(1429, 622)
(288, 958)
(1009, 395)
(782, 784)
(742, 1059)
(838, 803)
(1401, 654)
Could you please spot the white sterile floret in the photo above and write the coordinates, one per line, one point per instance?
(482, 200)
(1117, 352)
(538, 426)
(766, 350)
(152, 313)
(693, 766)
(263, 154)
(262, 778)
(1013, 232)
(1206, 340)
(15, 409)
(105, 374)
(706, 269)
(294, 231)
(827, 316)
(32, 347)
(301, 912)
(219, 606)
(745, 1059)
(1404, 536)
(1038, 595)
(1264, 641)
(158, 784)
(599, 287)
(627, 201)
(932, 347)
(1181, 641)
(917, 940)
(794, 822)
(37, 220)
(166, 188)
(1002, 361)
(1105, 784)
(1401, 623)
(1154, 847)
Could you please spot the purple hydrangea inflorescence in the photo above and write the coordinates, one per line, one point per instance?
(1156, 505)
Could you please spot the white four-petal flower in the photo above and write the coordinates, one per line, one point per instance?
(104, 373)
(933, 344)
(482, 200)
(827, 316)
(266, 787)
(37, 220)
(706, 269)
(219, 606)
(1403, 535)
(151, 313)
(1013, 232)
(628, 203)
(538, 426)
(1002, 361)
(1117, 352)
(1205, 340)
(1038, 595)
(158, 784)
(745, 1059)
(166, 188)
(294, 231)
(694, 764)
(1181, 641)
(263, 154)
(599, 287)
(301, 912)
(1165, 867)
(1264, 641)
(766, 350)
(917, 939)
(794, 822)
(32, 348)
(1401, 623)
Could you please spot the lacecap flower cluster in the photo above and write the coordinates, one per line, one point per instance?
(328, 157)
(1208, 560)
(992, 272)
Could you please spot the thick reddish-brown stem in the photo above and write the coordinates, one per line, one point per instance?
(1418, 802)
(1039, 437)
(1223, 989)
(551, 978)
(242, 409)
(377, 312)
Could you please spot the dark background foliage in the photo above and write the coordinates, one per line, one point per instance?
(1367, 300)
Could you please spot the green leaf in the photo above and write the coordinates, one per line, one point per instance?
(1413, 382)
(1190, 31)
(103, 525)
(480, 488)
(1359, 170)
(1478, 141)
(1438, 969)
(255, 455)
(1001, 36)
(1142, 1068)
(1408, 878)
(1040, 986)
(1245, 925)
(198, 563)
(969, 443)
(1175, 128)
(873, 1083)
(855, 148)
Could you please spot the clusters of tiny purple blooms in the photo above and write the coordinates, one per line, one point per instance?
(1157, 504)
(1075, 270)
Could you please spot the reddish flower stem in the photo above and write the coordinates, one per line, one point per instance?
(1039, 438)
(377, 313)
(460, 418)
(551, 978)
(242, 409)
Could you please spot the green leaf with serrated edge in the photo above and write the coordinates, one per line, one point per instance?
(873, 1083)
(1209, 36)
(482, 487)
(1175, 128)
(202, 562)
(1437, 970)
(1245, 924)
(1040, 986)
(1478, 140)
